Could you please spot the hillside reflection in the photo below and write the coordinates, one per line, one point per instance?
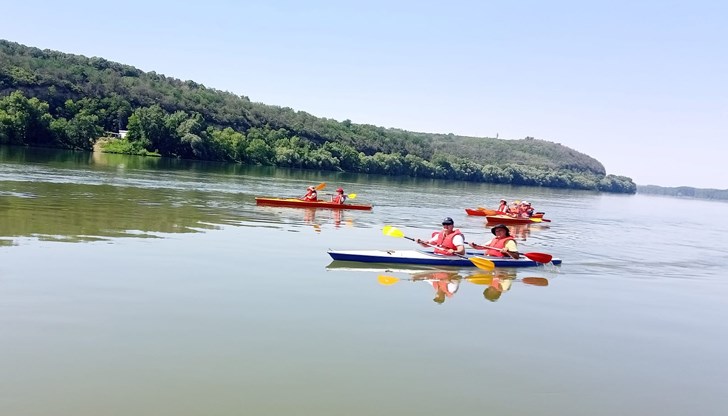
(78, 212)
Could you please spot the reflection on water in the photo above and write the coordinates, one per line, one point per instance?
(52, 195)
(220, 319)
(501, 280)
(446, 281)
(77, 212)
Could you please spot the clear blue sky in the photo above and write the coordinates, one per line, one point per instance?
(642, 86)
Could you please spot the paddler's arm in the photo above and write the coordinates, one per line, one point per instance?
(511, 249)
(424, 243)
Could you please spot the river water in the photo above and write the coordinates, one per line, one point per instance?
(142, 286)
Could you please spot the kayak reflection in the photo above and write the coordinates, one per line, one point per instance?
(444, 281)
(520, 231)
(316, 218)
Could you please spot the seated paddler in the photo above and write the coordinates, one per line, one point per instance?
(502, 245)
(448, 241)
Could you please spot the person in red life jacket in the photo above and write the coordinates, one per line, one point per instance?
(449, 241)
(523, 210)
(311, 194)
(339, 198)
(513, 209)
(529, 209)
(501, 245)
(503, 207)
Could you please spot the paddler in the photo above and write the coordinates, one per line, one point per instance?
(311, 194)
(501, 245)
(339, 198)
(449, 241)
(503, 207)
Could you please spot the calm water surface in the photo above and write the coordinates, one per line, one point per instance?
(140, 286)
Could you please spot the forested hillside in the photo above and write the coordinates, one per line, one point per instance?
(49, 98)
(684, 191)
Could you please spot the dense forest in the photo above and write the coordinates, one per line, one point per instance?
(684, 191)
(49, 98)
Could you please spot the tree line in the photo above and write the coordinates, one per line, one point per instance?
(49, 98)
(684, 191)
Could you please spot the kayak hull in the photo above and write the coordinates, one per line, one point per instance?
(506, 219)
(297, 203)
(476, 212)
(484, 212)
(424, 258)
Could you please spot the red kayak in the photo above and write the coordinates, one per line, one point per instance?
(295, 202)
(480, 212)
(484, 212)
(507, 219)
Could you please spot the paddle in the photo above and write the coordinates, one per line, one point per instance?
(350, 196)
(479, 262)
(386, 280)
(537, 257)
(318, 187)
(487, 280)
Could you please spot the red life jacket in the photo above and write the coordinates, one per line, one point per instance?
(444, 242)
(338, 199)
(310, 196)
(497, 243)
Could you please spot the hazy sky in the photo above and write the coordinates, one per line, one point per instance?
(642, 86)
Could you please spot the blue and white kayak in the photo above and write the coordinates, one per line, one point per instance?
(420, 257)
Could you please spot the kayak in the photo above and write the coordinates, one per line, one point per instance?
(484, 212)
(422, 257)
(295, 202)
(479, 212)
(507, 219)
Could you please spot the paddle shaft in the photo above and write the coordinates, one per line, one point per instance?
(479, 262)
(537, 257)
(492, 248)
(349, 196)
(432, 245)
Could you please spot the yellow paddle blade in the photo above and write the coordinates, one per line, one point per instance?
(387, 280)
(390, 231)
(482, 263)
(536, 219)
(351, 196)
(480, 279)
(320, 186)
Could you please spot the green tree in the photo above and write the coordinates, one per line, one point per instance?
(25, 121)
